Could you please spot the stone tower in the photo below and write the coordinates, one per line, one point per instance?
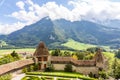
(99, 59)
(42, 56)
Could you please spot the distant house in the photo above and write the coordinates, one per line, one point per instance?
(42, 57)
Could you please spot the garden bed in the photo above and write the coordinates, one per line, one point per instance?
(61, 74)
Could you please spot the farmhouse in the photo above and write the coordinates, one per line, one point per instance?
(42, 57)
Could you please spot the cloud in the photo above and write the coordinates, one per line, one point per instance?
(92, 10)
(100, 10)
(20, 4)
(82, 9)
(8, 28)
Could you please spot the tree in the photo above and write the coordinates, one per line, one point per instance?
(15, 55)
(103, 74)
(68, 68)
(116, 69)
(89, 56)
(56, 52)
(80, 55)
(66, 53)
(75, 57)
(114, 66)
(118, 54)
(117, 73)
(92, 49)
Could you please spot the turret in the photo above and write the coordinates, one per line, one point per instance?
(99, 59)
(42, 56)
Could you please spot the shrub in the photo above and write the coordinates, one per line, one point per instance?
(31, 78)
(6, 77)
(36, 67)
(103, 74)
(91, 74)
(68, 68)
(43, 78)
(49, 68)
(15, 55)
(24, 70)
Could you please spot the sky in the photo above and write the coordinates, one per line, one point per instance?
(15, 14)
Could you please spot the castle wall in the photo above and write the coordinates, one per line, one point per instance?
(87, 70)
(81, 69)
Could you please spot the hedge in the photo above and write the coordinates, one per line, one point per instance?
(61, 74)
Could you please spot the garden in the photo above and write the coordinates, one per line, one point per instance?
(55, 76)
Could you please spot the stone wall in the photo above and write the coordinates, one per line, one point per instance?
(87, 70)
(81, 69)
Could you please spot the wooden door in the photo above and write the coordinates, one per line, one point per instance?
(44, 66)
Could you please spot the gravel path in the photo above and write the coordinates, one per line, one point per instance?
(18, 77)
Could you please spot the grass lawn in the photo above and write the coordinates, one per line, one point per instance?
(61, 74)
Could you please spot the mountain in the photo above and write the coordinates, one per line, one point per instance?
(59, 31)
(112, 23)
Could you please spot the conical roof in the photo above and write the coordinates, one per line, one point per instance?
(99, 56)
(41, 50)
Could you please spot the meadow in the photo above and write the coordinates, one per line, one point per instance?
(81, 46)
(70, 44)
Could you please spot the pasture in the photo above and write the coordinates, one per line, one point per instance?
(81, 46)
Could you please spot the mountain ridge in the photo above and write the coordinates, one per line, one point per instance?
(59, 31)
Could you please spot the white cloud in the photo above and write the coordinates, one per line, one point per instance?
(85, 9)
(8, 28)
(100, 10)
(20, 4)
(93, 10)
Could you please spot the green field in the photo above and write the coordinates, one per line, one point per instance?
(70, 44)
(79, 46)
(8, 51)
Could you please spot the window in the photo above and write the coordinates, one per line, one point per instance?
(39, 58)
(45, 58)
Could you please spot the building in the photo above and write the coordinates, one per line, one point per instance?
(42, 57)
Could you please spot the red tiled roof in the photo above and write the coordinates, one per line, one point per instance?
(56, 59)
(14, 65)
